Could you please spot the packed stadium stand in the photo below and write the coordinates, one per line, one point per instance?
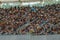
(36, 20)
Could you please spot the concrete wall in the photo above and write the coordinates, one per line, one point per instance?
(29, 37)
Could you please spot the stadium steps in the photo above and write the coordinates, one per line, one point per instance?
(25, 25)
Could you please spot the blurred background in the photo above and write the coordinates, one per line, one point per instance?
(40, 17)
(29, 19)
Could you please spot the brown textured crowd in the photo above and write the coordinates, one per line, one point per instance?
(30, 20)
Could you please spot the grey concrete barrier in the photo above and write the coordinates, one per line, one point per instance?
(29, 37)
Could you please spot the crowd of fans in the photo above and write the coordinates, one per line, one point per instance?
(41, 20)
